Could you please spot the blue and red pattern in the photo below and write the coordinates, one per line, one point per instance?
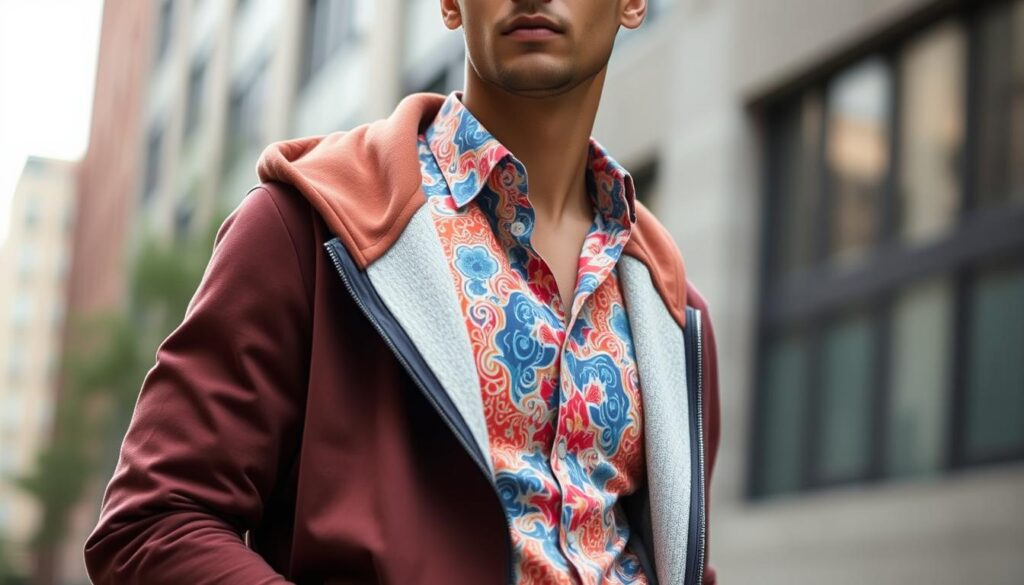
(561, 396)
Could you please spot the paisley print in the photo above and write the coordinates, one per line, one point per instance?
(558, 379)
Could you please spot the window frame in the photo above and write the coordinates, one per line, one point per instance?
(811, 300)
(165, 30)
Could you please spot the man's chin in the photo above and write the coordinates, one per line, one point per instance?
(537, 81)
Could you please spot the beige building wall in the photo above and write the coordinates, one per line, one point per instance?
(34, 267)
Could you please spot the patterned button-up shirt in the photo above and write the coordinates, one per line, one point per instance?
(560, 392)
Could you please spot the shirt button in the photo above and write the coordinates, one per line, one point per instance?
(518, 228)
(561, 449)
(571, 539)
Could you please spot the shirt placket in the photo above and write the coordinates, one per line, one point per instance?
(594, 250)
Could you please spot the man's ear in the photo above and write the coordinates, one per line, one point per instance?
(451, 13)
(632, 13)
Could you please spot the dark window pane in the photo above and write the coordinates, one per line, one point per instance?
(645, 181)
(784, 397)
(995, 388)
(932, 132)
(32, 211)
(245, 115)
(329, 25)
(196, 89)
(848, 369)
(798, 183)
(919, 380)
(164, 29)
(1000, 156)
(439, 84)
(154, 152)
(858, 156)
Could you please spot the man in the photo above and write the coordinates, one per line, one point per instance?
(410, 362)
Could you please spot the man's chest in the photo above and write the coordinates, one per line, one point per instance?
(557, 371)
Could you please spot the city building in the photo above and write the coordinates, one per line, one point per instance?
(34, 259)
(107, 182)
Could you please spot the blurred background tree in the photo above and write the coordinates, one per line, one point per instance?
(109, 356)
(8, 574)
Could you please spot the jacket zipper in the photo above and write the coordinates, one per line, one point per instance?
(336, 250)
(700, 446)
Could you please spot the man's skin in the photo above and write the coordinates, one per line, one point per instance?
(539, 97)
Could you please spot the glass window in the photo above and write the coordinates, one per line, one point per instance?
(784, 396)
(798, 183)
(848, 367)
(920, 378)
(248, 101)
(164, 30)
(184, 214)
(932, 132)
(439, 84)
(858, 156)
(329, 24)
(645, 181)
(995, 381)
(1000, 105)
(1017, 121)
(196, 89)
(33, 211)
(154, 152)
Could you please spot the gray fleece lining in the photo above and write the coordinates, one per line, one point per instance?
(658, 343)
(414, 281)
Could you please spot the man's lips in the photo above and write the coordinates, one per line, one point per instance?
(532, 27)
(532, 33)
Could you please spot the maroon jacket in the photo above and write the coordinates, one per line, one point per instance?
(303, 424)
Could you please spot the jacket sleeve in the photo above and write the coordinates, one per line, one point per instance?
(712, 418)
(216, 418)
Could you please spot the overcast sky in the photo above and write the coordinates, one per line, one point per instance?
(47, 71)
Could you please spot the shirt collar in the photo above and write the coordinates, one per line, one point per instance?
(467, 153)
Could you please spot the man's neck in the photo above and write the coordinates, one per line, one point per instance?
(549, 135)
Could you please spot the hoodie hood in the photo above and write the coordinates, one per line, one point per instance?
(366, 184)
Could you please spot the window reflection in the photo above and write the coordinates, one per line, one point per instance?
(995, 413)
(858, 156)
(798, 183)
(785, 394)
(1001, 105)
(919, 379)
(932, 133)
(847, 376)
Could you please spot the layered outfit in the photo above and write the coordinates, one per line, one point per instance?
(378, 382)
